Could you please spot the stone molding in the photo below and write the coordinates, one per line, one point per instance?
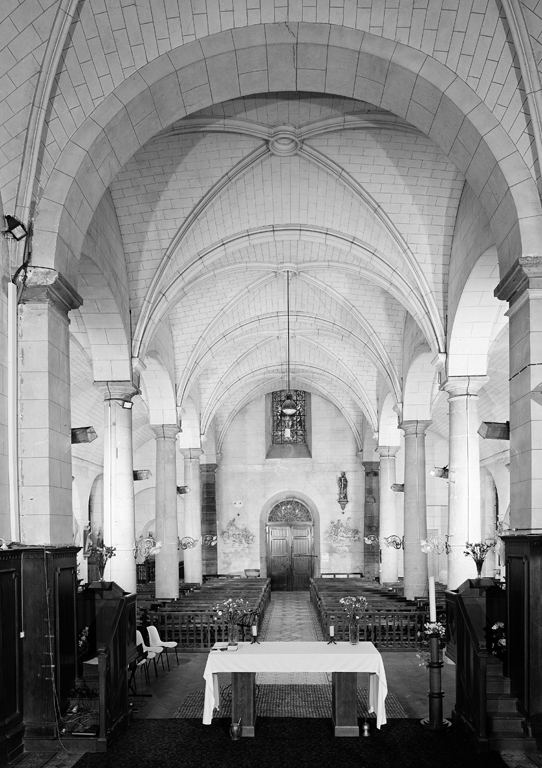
(165, 431)
(192, 454)
(47, 286)
(387, 451)
(117, 390)
(525, 273)
(464, 386)
(415, 427)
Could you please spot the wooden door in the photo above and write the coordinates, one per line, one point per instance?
(289, 556)
(301, 556)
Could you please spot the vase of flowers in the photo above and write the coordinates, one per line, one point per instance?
(478, 551)
(232, 611)
(82, 643)
(354, 607)
(101, 554)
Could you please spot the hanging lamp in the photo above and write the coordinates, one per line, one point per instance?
(289, 406)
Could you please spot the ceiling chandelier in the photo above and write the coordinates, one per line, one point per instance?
(289, 407)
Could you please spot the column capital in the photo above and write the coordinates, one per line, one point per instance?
(209, 467)
(387, 451)
(191, 454)
(525, 273)
(464, 386)
(165, 430)
(414, 426)
(117, 390)
(47, 286)
(371, 466)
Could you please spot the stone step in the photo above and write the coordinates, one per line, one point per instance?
(502, 703)
(509, 743)
(500, 723)
(496, 684)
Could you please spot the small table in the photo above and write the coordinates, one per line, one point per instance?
(343, 660)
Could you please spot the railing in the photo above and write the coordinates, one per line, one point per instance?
(388, 630)
(471, 659)
(113, 675)
(198, 628)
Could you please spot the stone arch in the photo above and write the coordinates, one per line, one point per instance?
(388, 429)
(405, 81)
(421, 386)
(478, 319)
(158, 391)
(264, 514)
(109, 343)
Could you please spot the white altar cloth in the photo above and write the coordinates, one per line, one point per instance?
(297, 657)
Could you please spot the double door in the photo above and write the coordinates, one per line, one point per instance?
(290, 555)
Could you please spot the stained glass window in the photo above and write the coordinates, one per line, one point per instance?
(289, 430)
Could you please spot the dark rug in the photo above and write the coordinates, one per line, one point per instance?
(282, 743)
(287, 701)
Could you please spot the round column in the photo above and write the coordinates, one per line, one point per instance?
(389, 567)
(193, 567)
(167, 560)
(464, 513)
(119, 505)
(415, 561)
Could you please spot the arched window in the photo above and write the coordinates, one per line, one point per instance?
(290, 511)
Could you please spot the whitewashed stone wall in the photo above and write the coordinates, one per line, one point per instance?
(246, 481)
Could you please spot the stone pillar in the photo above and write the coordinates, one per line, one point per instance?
(167, 560)
(208, 517)
(119, 505)
(45, 471)
(522, 288)
(193, 568)
(416, 578)
(371, 515)
(388, 514)
(464, 522)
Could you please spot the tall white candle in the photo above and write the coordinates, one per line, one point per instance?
(432, 600)
(331, 630)
(254, 630)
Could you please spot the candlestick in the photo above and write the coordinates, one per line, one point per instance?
(254, 630)
(331, 630)
(331, 634)
(432, 600)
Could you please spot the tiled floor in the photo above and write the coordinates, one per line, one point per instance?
(290, 621)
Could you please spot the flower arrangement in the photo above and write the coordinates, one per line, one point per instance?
(83, 641)
(434, 628)
(102, 554)
(478, 551)
(498, 639)
(233, 611)
(354, 606)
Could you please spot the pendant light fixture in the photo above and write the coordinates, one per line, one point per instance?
(288, 408)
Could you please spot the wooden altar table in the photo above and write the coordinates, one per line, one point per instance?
(342, 660)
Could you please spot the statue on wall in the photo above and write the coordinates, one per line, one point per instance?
(342, 483)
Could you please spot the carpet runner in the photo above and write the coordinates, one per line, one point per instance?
(287, 701)
(290, 618)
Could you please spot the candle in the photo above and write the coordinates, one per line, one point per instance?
(432, 600)
(254, 629)
(331, 630)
